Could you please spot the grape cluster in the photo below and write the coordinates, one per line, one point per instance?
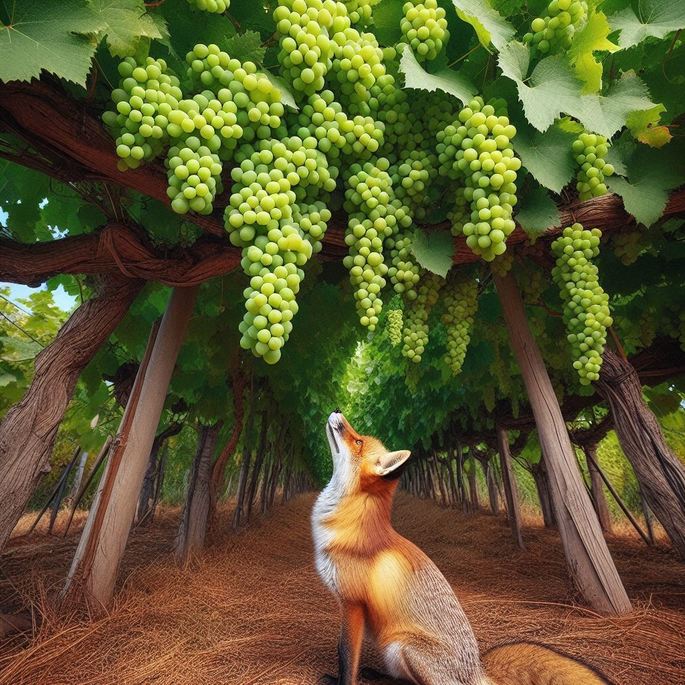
(501, 265)
(555, 30)
(257, 99)
(313, 221)
(394, 325)
(628, 246)
(478, 148)
(194, 175)
(590, 151)
(586, 305)
(411, 179)
(424, 27)
(415, 335)
(461, 302)
(403, 271)
(360, 11)
(215, 6)
(147, 93)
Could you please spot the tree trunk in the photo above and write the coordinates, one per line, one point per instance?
(542, 486)
(660, 473)
(597, 489)
(193, 528)
(257, 468)
(96, 562)
(589, 562)
(437, 472)
(78, 477)
(473, 487)
(493, 495)
(28, 430)
(510, 491)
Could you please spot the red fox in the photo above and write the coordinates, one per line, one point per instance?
(388, 588)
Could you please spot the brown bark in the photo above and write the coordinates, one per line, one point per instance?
(193, 528)
(96, 562)
(473, 487)
(490, 476)
(659, 471)
(597, 489)
(259, 461)
(589, 562)
(28, 431)
(511, 493)
(542, 486)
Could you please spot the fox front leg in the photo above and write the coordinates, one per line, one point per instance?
(349, 646)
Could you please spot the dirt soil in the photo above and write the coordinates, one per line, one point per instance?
(252, 611)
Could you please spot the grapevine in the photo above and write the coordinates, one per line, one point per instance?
(416, 316)
(586, 305)
(461, 302)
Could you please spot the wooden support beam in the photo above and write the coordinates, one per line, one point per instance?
(510, 491)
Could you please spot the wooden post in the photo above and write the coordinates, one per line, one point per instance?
(102, 543)
(473, 487)
(493, 495)
(590, 565)
(597, 488)
(510, 491)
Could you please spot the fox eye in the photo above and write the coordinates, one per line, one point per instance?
(358, 442)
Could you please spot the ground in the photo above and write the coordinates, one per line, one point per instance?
(253, 612)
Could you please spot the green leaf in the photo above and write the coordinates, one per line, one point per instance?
(287, 97)
(654, 18)
(127, 23)
(247, 47)
(48, 36)
(387, 16)
(550, 90)
(607, 114)
(446, 80)
(433, 250)
(643, 126)
(591, 38)
(489, 24)
(547, 156)
(537, 212)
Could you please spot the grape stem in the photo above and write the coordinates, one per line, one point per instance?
(465, 55)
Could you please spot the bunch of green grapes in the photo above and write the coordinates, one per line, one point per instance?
(306, 45)
(360, 12)
(590, 151)
(194, 176)
(411, 180)
(532, 281)
(586, 305)
(415, 335)
(501, 265)
(214, 6)
(404, 272)
(258, 100)
(424, 27)
(389, 105)
(213, 120)
(627, 246)
(394, 324)
(461, 302)
(478, 148)
(148, 91)
(312, 220)
(554, 31)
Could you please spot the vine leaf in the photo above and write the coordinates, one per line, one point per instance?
(537, 212)
(547, 156)
(489, 24)
(644, 127)
(48, 36)
(127, 23)
(247, 47)
(446, 80)
(433, 250)
(386, 21)
(551, 89)
(654, 18)
(591, 38)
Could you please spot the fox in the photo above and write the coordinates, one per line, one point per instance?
(389, 590)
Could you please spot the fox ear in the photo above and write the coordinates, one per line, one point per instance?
(391, 461)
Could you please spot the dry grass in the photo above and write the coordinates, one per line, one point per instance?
(252, 611)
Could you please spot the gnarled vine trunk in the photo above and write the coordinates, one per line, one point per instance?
(659, 471)
(28, 431)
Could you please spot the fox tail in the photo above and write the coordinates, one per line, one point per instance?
(528, 663)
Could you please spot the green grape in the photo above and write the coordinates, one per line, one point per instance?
(424, 27)
(501, 265)
(416, 316)
(461, 302)
(403, 272)
(215, 6)
(586, 305)
(532, 281)
(360, 11)
(194, 176)
(412, 178)
(554, 31)
(394, 325)
(477, 148)
(313, 221)
(627, 246)
(148, 92)
(590, 151)
(256, 98)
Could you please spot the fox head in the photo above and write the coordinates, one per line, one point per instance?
(361, 461)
